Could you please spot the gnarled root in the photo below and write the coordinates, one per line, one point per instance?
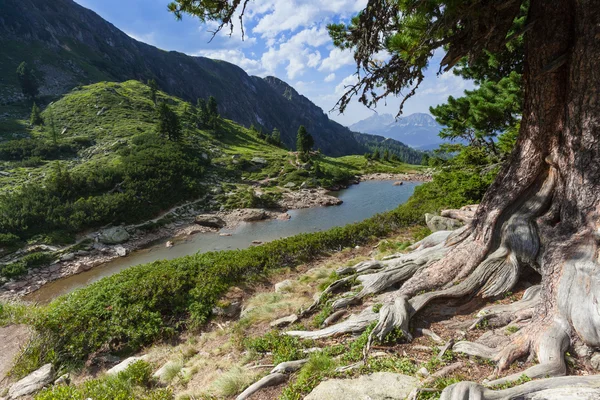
(572, 387)
(356, 323)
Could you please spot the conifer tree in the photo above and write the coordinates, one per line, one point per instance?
(168, 123)
(28, 81)
(36, 116)
(153, 89)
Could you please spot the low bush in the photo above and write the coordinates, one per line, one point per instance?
(132, 384)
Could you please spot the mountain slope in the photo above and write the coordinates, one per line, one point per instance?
(70, 45)
(417, 130)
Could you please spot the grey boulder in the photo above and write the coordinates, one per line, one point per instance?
(114, 235)
(210, 220)
(32, 382)
(437, 223)
(377, 386)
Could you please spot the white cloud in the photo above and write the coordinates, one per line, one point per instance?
(237, 57)
(341, 88)
(296, 52)
(330, 77)
(276, 16)
(337, 59)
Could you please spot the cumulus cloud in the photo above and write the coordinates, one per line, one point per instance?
(337, 59)
(273, 17)
(341, 88)
(330, 77)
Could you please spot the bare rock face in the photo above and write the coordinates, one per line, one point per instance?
(114, 235)
(283, 286)
(377, 386)
(210, 220)
(32, 382)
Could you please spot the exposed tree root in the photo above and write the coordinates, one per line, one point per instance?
(573, 387)
(354, 324)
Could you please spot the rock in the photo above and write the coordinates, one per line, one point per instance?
(121, 251)
(204, 156)
(63, 380)
(289, 185)
(210, 220)
(161, 373)
(122, 366)
(225, 234)
(230, 310)
(306, 166)
(284, 217)
(582, 350)
(437, 223)
(68, 257)
(259, 160)
(595, 361)
(114, 235)
(256, 242)
(377, 386)
(398, 183)
(99, 113)
(290, 319)
(252, 214)
(32, 382)
(423, 373)
(283, 286)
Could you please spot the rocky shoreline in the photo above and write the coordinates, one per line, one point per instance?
(382, 176)
(106, 245)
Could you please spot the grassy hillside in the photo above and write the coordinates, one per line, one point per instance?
(98, 160)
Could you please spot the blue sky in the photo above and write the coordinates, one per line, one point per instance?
(284, 38)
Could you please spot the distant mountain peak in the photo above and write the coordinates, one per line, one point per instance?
(419, 130)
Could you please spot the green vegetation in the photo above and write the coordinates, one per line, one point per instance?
(134, 383)
(304, 141)
(36, 116)
(28, 81)
(168, 123)
(150, 302)
(282, 347)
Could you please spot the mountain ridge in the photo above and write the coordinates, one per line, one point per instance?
(71, 45)
(418, 130)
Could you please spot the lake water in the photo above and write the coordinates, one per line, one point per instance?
(360, 202)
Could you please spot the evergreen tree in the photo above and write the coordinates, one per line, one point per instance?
(27, 80)
(201, 112)
(168, 123)
(36, 116)
(275, 137)
(376, 155)
(304, 141)
(153, 89)
(540, 212)
(386, 155)
(212, 107)
(212, 110)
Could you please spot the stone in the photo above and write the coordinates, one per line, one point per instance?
(283, 286)
(284, 217)
(259, 160)
(437, 223)
(289, 185)
(210, 220)
(122, 366)
(230, 310)
(252, 214)
(582, 350)
(398, 183)
(121, 251)
(377, 386)
(114, 235)
(169, 244)
(63, 380)
(99, 113)
(423, 373)
(290, 319)
(32, 382)
(256, 242)
(595, 361)
(161, 373)
(68, 257)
